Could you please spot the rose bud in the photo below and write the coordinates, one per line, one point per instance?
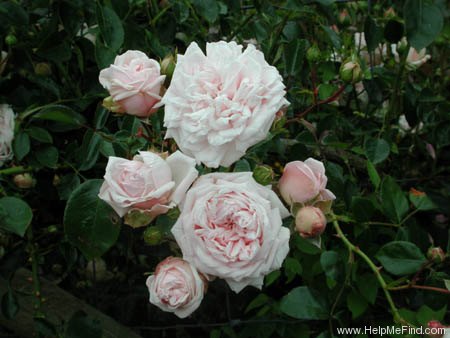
(42, 69)
(436, 329)
(263, 174)
(134, 82)
(344, 17)
(313, 53)
(24, 181)
(152, 236)
(168, 66)
(351, 71)
(176, 287)
(436, 254)
(310, 222)
(304, 181)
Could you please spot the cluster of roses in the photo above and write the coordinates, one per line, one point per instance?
(218, 104)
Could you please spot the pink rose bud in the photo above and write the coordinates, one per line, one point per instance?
(437, 330)
(24, 181)
(176, 287)
(436, 254)
(310, 222)
(134, 82)
(304, 181)
(431, 151)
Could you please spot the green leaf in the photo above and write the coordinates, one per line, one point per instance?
(242, 165)
(333, 36)
(426, 314)
(305, 246)
(90, 224)
(67, 184)
(12, 13)
(377, 150)
(15, 215)
(356, 304)
(325, 2)
(10, 305)
(423, 22)
(331, 264)
(89, 149)
(373, 175)
(393, 201)
(362, 208)
(21, 145)
(368, 287)
(260, 300)
(292, 268)
(61, 114)
(447, 284)
(81, 325)
(401, 258)
(104, 55)
(294, 53)
(40, 134)
(47, 156)
(111, 28)
(372, 33)
(304, 303)
(272, 277)
(421, 201)
(208, 9)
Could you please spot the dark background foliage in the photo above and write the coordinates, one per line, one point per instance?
(64, 136)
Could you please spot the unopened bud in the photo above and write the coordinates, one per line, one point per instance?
(11, 40)
(351, 71)
(168, 66)
(344, 17)
(24, 181)
(56, 180)
(313, 53)
(310, 222)
(42, 69)
(390, 13)
(152, 236)
(112, 105)
(436, 254)
(436, 329)
(263, 174)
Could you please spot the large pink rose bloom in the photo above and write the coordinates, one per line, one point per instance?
(6, 132)
(176, 287)
(221, 103)
(134, 83)
(231, 227)
(303, 181)
(148, 182)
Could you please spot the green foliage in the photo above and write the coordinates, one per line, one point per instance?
(15, 215)
(90, 224)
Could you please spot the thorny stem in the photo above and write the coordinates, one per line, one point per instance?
(332, 98)
(396, 314)
(420, 287)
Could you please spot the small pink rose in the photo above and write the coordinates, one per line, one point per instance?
(6, 132)
(176, 287)
(304, 181)
(134, 82)
(310, 222)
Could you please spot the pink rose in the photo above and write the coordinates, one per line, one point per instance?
(176, 287)
(6, 132)
(231, 227)
(304, 181)
(148, 182)
(310, 222)
(221, 103)
(134, 83)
